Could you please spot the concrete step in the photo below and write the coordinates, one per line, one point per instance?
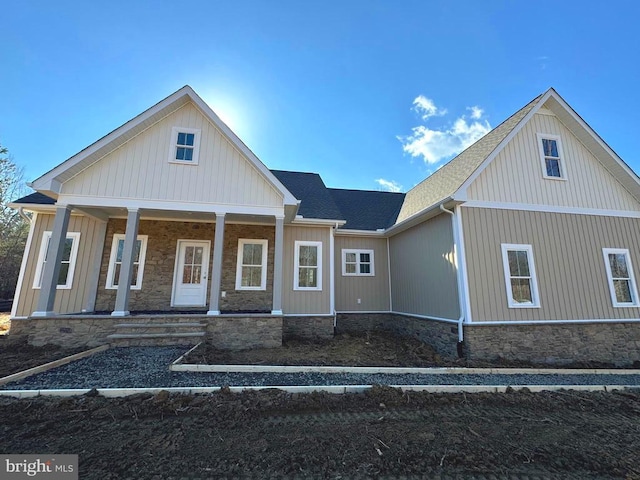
(150, 339)
(160, 328)
(160, 325)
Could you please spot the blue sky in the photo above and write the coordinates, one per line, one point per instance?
(370, 94)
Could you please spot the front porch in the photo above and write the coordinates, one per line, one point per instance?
(173, 261)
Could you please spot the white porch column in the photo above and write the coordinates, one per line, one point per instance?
(94, 270)
(49, 284)
(216, 274)
(277, 267)
(126, 268)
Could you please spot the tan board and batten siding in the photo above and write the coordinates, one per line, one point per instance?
(298, 301)
(423, 270)
(567, 251)
(141, 169)
(67, 300)
(516, 175)
(373, 291)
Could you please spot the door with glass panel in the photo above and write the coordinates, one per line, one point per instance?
(190, 280)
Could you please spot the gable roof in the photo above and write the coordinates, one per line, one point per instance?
(367, 210)
(443, 183)
(51, 181)
(316, 201)
(455, 176)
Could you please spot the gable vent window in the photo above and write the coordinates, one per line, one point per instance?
(551, 157)
(185, 146)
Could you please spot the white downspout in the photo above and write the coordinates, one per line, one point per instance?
(332, 293)
(458, 274)
(26, 217)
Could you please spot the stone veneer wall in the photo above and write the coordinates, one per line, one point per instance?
(243, 332)
(615, 343)
(442, 336)
(308, 327)
(64, 331)
(160, 260)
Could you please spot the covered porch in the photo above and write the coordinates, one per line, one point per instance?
(151, 260)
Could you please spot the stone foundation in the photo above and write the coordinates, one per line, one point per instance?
(614, 343)
(442, 336)
(228, 332)
(308, 327)
(231, 332)
(64, 331)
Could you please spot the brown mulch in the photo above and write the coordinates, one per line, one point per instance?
(384, 433)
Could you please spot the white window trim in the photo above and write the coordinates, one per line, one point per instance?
(632, 278)
(239, 264)
(296, 268)
(37, 279)
(562, 162)
(112, 261)
(535, 303)
(174, 145)
(357, 273)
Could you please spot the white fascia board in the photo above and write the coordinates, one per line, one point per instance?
(317, 222)
(360, 233)
(578, 119)
(289, 199)
(461, 191)
(42, 182)
(144, 204)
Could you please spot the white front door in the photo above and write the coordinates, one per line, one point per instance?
(190, 279)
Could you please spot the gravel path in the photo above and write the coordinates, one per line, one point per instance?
(137, 367)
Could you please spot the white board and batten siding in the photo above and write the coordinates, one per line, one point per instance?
(372, 291)
(299, 301)
(67, 300)
(423, 270)
(140, 169)
(516, 175)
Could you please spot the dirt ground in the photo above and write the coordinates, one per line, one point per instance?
(18, 356)
(380, 349)
(383, 433)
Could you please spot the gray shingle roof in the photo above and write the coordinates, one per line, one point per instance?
(367, 210)
(36, 198)
(444, 182)
(316, 201)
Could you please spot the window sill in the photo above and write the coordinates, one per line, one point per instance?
(557, 179)
(527, 305)
(183, 162)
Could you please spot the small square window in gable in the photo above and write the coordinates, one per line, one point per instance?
(551, 157)
(185, 146)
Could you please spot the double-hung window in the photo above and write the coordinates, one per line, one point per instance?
(67, 264)
(115, 261)
(251, 268)
(185, 145)
(622, 283)
(307, 273)
(551, 156)
(357, 262)
(520, 276)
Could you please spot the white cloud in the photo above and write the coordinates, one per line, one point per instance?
(476, 112)
(389, 185)
(434, 145)
(425, 107)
